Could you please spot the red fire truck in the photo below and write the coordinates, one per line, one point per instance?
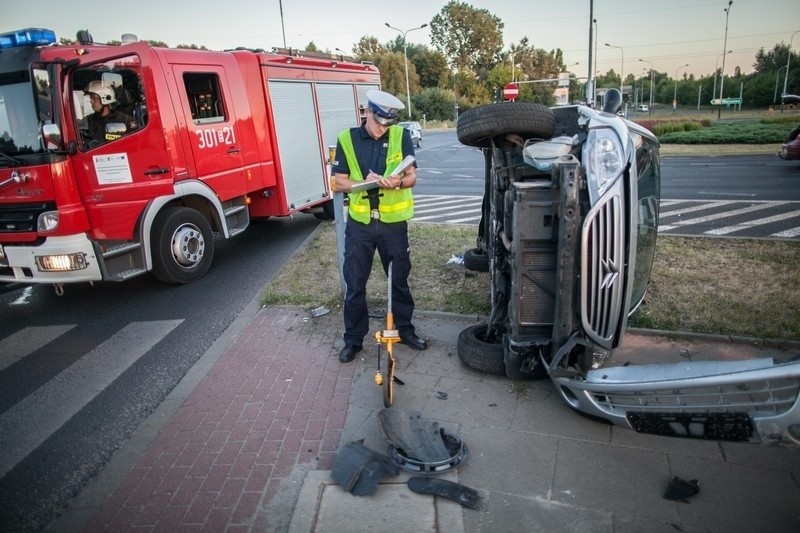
(211, 140)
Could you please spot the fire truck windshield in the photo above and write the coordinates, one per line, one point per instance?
(24, 108)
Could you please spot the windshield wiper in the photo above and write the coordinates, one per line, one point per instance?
(13, 160)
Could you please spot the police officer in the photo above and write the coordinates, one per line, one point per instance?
(378, 218)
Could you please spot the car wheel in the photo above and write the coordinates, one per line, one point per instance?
(479, 125)
(182, 244)
(479, 352)
(327, 212)
(476, 260)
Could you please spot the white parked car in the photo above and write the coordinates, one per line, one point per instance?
(643, 107)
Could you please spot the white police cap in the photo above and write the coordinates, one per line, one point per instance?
(383, 104)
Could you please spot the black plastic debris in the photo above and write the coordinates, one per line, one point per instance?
(462, 494)
(419, 445)
(441, 395)
(359, 470)
(680, 489)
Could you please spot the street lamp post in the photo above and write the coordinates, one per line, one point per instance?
(652, 79)
(594, 68)
(405, 60)
(675, 92)
(622, 65)
(786, 76)
(778, 77)
(724, 47)
(513, 64)
(716, 74)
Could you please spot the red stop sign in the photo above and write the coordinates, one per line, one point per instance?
(511, 91)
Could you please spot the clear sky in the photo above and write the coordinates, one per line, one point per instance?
(667, 33)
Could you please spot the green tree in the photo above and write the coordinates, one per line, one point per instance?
(435, 104)
(469, 38)
(367, 47)
(431, 66)
(191, 47)
(393, 73)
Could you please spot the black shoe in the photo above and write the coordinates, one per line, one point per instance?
(348, 353)
(413, 341)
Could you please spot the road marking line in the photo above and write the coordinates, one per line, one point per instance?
(700, 207)
(31, 339)
(725, 214)
(463, 211)
(31, 421)
(789, 233)
(752, 223)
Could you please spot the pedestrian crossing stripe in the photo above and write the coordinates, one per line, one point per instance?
(27, 424)
(30, 339)
(448, 209)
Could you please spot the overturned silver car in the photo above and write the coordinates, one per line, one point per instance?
(568, 235)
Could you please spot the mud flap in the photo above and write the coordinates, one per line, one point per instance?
(358, 470)
(462, 494)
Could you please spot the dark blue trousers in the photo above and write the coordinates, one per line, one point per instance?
(361, 241)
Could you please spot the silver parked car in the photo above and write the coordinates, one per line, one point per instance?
(568, 235)
(416, 131)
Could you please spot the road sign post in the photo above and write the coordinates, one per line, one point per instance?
(511, 91)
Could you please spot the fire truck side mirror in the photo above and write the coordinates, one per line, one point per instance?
(52, 137)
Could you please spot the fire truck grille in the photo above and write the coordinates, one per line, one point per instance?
(602, 279)
(20, 218)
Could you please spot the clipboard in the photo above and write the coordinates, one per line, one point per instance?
(369, 185)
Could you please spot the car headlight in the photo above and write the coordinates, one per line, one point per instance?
(47, 221)
(604, 161)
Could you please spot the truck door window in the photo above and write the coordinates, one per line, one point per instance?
(205, 97)
(108, 101)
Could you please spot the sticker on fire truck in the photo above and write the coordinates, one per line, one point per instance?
(112, 169)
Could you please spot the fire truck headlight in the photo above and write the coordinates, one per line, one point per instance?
(61, 263)
(604, 160)
(47, 221)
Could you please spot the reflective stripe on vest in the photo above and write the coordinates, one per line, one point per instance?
(394, 205)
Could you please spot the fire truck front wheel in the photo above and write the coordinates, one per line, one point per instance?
(182, 244)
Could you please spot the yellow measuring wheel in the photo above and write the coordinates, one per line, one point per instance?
(389, 337)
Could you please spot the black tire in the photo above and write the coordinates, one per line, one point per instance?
(479, 125)
(479, 354)
(476, 260)
(327, 212)
(182, 244)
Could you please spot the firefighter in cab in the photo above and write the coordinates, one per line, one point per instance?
(377, 217)
(105, 123)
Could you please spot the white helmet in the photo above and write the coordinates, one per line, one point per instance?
(102, 90)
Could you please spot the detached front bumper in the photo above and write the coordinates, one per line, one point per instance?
(755, 400)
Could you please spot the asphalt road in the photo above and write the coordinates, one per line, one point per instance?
(446, 167)
(754, 196)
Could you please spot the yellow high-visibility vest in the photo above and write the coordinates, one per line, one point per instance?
(394, 205)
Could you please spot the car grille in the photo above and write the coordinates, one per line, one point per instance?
(766, 397)
(602, 269)
(18, 218)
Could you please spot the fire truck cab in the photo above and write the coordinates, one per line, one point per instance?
(200, 143)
